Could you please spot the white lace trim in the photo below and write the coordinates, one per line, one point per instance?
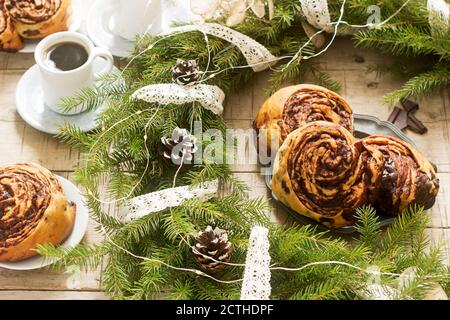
(377, 292)
(438, 18)
(257, 56)
(168, 198)
(317, 14)
(210, 97)
(256, 285)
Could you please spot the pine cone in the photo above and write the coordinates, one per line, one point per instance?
(185, 72)
(181, 147)
(212, 244)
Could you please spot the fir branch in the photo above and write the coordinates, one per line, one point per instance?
(368, 228)
(85, 256)
(408, 225)
(325, 80)
(74, 137)
(181, 290)
(422, 84)
(87, 99)
(405, 40)
(178, 225)
(124, 148)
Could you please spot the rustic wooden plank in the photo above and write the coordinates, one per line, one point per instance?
(8, 84)
(441, 236)
(342, 55)
(435, 144)
(52, 295)
(446, 96)
(46, 279)
(19, 61)
(25, 144)
(440, 213)
(238, 105)
(3, 60)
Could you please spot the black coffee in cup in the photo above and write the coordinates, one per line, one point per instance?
(66, 56)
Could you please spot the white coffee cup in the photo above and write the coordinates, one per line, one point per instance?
(131, 18)
(58, 84)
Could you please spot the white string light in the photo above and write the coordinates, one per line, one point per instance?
(256, 65)
(195, 271)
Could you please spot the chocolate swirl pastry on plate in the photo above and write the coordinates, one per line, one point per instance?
(294, 106)
(321, 171)
(9, 38)
(36, 19)
(33, 211)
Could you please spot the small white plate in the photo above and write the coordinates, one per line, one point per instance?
(75, 22)
(100, 14)
(31, 106)
(73, 194)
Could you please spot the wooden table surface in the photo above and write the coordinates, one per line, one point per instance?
(363, 91)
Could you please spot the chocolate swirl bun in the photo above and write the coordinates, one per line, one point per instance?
(292, 107)
(36, 19)
(33, 211)
(407, 176)
(319, 172)
(9, 38)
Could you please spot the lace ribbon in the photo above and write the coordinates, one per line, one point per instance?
(317, 14)
(168, 198)
(210, 97)
(438, 18)
(257, 56)
(256, 284)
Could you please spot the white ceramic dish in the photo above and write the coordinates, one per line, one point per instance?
(100, 14)
(79, 230)
(31, 107)
(75, 23)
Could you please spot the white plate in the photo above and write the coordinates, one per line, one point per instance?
(31, 107)
(79, 229)
(100, 14)
(75, 22)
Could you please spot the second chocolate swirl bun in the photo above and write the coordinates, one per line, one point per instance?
(292, 107)
(319, 172)
(407, 177)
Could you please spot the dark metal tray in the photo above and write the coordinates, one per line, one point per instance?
(364, 126)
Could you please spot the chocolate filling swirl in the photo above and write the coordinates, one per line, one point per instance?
(292, 107)
(324, 173)
(32, 11)
(407, 178)
(3, 18)
(25, 194)
(321, 171)
(308, 105)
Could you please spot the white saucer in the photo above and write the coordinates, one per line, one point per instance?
(75, 22)
(100, 14)
(79, 230)
(31, 107)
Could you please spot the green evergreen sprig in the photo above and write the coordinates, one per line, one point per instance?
(168, 236)
(121, 156)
